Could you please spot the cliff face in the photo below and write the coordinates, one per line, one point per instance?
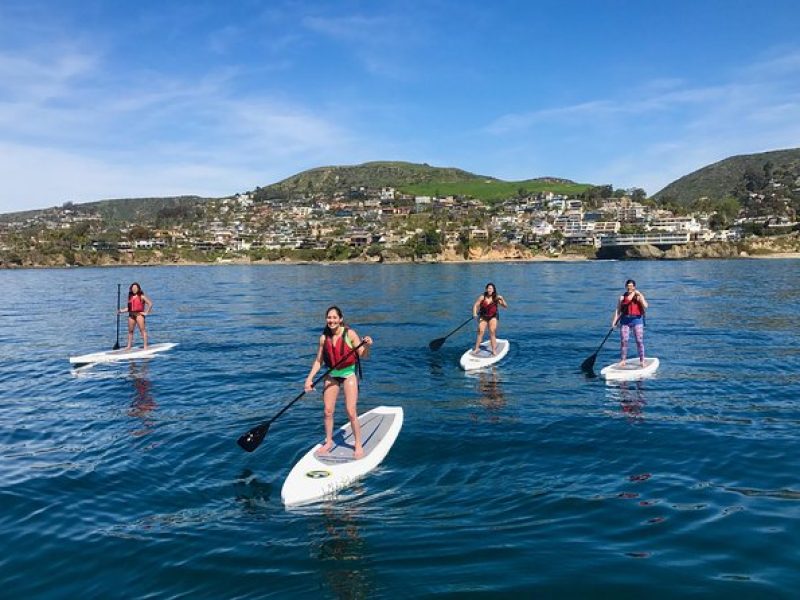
(718, 250)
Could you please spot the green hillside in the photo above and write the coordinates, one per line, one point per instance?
(372, 175)
(495, 189)
(721, 179)
(412, 178)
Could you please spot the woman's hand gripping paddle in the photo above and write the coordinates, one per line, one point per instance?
(439, 342)
(253, 438)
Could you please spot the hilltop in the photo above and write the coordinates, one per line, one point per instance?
(405, 177)
(725, 178)
(411, 178)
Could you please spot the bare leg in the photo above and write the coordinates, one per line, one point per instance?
(131, 326)
(493, 335)
(350, 400)
(140, 321)
(329, 395)
(481, 331)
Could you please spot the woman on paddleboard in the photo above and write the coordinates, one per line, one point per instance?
(139, 306)
(629, 314)
(486, 311)
(338, 349)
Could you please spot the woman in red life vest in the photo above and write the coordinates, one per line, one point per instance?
(629, 314)
(486, 310)
(336, 350)
(139, 306)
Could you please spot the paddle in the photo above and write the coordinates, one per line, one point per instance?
(439, 342)
(588, 365)
(253, 438)
(116, 344)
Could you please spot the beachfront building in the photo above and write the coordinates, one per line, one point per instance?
(651, 238)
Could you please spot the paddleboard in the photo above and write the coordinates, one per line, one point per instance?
(631, 370)
(122, 354)
(484, 357)
(321, 477)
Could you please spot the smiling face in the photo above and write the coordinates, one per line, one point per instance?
(490, 290)
(333, 319)
(135, 289)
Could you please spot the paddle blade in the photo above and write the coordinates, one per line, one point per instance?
(587, 366)
(437, 343)
(253, 438)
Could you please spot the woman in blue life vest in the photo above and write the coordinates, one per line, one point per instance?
(139, 306)
(629, 314)
(486, 311)
(337, 351)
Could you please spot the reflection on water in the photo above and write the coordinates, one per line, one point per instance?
(341, 550)
(142, 402)
(631, 397)
(490, 389)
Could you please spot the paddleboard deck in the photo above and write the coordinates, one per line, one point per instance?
(118, 355)
(484, 357)
(631, 370)
(316, 477)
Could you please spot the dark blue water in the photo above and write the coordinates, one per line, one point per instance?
(124, 481)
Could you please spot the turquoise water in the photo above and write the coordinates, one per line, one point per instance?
(124, 481)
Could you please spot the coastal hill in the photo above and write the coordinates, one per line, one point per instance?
(725, 178)
(411, 178)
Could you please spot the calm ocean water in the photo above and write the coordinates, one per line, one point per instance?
(125, 481)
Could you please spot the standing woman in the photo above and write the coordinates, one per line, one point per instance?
(336, 350)
(486, 309)
(139, 306)
(629, 313)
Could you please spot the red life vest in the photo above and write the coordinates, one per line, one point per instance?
(332, 354)
(488, 311)
(135, 303)
(630, 307)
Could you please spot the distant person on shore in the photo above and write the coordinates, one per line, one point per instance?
(336, 350)
(139, 306)
(486, 311)
(629, 314)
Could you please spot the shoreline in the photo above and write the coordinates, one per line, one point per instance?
(493, 260)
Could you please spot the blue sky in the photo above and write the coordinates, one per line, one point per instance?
(128, 99)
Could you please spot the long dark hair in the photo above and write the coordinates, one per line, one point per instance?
(327, 332)
(494, 293)
(130, 290)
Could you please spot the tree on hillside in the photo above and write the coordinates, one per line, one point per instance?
(637, 194)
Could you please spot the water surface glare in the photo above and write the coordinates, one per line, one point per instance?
(124, 480)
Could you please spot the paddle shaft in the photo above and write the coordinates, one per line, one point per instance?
(437, 343)
(251, 440)
(116, 344)
(588, 364)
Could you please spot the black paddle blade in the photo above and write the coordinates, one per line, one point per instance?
(437, 343)
(587, 366)
(253, 438)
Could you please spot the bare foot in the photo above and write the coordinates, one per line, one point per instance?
(126, 348)
(476, 351)
(641, 364)
(325, 448)
(358, 452)
(622, 363)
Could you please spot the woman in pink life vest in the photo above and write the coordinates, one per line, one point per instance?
(629, 314)
(337, 351)
(486, 310)
(139, 306)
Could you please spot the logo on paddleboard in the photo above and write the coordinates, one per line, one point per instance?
(318, 474)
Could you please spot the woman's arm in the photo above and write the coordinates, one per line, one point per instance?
(476, 306)
(617, 313)
(315, 366)
(642, 300)
(502, 302)
(148, 305)
(363, 352)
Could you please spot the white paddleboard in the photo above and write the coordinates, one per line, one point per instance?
(484, 357)
(320, 477)
(122, 354)
(631, 370)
